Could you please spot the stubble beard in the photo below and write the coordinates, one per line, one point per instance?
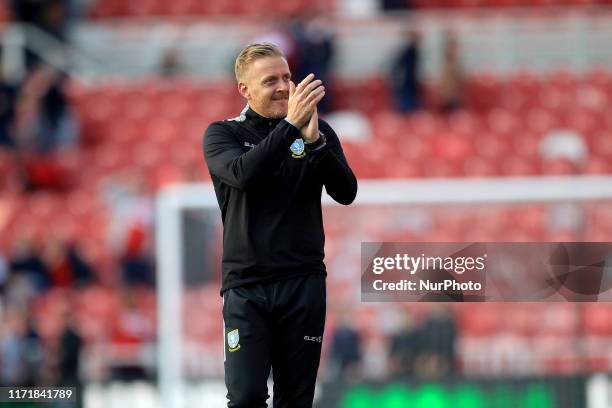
(278, 113)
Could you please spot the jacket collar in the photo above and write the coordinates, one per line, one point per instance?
(260, 122)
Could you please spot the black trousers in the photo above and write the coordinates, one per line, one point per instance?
(276, 325)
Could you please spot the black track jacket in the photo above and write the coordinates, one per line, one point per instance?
(268, 185)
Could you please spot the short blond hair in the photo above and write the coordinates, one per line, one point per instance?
(253, 52)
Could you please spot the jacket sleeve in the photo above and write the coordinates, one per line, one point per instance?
(332, 167)
(227, 160)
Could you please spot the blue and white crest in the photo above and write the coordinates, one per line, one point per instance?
(233, 340)
(297, 148)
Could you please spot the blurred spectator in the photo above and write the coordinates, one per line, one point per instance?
(136, 265)
(19, 291)
(426, 351)
(50, 16)
(28, 11)
(170, 64)
(81, 269)
(57, 121)
(12, 369)
(33, 350)
(57, 262)
(25, 261)
(390, 5)
(451, 78)
(41, 172)
(314, 41)
(45, 121)
(70, 347)
(20, 349)
(437, 338)
(4, 275)
(405, 76)
(346, 351)
(8, 98)
(562, 144)
(55, 19)
(132, 330)
(132, 209)
(126, 195)
(281, 37)
(66, 266)
(403, 348)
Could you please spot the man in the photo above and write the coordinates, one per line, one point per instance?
(268, 167)
(405, 78)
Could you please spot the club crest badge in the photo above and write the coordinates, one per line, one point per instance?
(233, 340)
(297, 149)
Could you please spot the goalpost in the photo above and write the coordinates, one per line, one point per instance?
(383, 208)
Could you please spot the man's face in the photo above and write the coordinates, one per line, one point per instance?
(266, 86)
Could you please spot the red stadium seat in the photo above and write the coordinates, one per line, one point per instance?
(601, 144)
(560, 167)
(598, 165)
(179, 7)
(477, 320)
(515, 166)
(597, 319)
(142, 8)
(451, 148)
(440, 168)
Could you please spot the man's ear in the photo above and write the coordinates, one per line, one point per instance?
(243, 89)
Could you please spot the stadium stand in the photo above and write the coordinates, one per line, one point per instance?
(149, 8)
(153, 127)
